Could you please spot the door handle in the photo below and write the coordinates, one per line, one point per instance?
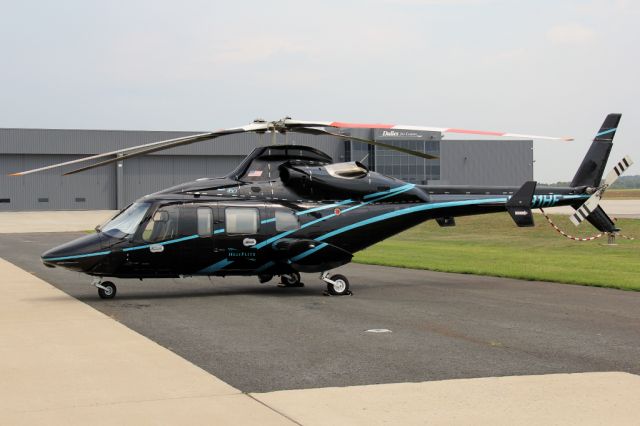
(156, 248)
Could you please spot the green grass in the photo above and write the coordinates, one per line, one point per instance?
(493, 245)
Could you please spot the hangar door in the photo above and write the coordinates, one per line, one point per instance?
(49, 190)
(148, 174)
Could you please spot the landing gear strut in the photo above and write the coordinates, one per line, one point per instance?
(290, 280)
(337, 285)
(106, 289)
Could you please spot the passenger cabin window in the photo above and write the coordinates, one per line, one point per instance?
(241, 220)
(286, 221)
(163, 225)
(205, 221)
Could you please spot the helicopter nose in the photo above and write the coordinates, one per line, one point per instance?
(81, 254)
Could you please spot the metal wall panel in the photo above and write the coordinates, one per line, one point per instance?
(73, 142)
(49, 190)
(486, 162)
(146, 175)
(22, 149)
(463, 162)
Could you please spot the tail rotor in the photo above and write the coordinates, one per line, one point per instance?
(591, 206)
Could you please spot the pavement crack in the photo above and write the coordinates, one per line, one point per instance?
(273, 409)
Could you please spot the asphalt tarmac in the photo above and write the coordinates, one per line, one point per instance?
(258, 337)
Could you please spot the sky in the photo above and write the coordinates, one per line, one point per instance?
(535, 67)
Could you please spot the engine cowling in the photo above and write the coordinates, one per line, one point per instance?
(336, 180)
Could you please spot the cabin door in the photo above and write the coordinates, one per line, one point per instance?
(241, 237)
(199, 250)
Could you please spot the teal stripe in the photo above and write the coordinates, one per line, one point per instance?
(399, 188)
(308, 252)
(574, 197)
(277, 237)
(218, 231)
(265, 266)
(163, 243)
(405, 188)
(328, 206)
(313, 222)
(78, 256)
(216, 266)
(606, 132)
(409, 210)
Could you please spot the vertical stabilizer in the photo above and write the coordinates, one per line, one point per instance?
(592, 167)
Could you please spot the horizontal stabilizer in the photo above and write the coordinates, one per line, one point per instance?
(519, 205)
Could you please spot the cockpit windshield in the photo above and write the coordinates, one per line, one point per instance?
(127, 221)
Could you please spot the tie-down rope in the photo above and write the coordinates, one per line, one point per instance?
(571, 237)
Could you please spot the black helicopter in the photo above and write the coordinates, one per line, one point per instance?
(288, 209)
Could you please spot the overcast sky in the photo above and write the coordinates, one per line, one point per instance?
(541, 67)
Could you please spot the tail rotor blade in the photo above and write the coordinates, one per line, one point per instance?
(586, 209)
(619, 168)
(592, 203)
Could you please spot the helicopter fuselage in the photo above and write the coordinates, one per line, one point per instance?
(276, 214)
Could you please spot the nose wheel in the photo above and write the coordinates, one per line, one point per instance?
(337, 285)
(106, 289)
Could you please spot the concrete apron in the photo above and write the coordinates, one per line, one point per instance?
(62, 361)
(52, 221)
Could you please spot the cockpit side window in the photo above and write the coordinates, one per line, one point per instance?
(163, 225)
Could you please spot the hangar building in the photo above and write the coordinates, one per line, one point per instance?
(461, 162)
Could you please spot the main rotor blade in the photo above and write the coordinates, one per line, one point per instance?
(150, 147)
(291, 124)
(138, 153)
(317, 131)
(174, 144)
(107, 154)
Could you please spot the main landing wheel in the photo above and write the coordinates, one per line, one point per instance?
(338, 285)
(290, 280)
(107, 290)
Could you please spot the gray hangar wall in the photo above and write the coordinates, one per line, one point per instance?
(459, 162)
(486, 162)
(112, 187)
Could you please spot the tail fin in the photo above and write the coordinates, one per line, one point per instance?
(592, 167)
